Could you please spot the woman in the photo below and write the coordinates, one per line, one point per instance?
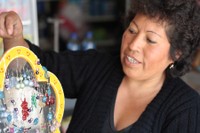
(140, 91)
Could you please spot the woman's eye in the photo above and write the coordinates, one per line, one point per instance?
(132, 31)
(150, 41)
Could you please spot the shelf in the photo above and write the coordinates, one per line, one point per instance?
(103, 18)
(109, 42)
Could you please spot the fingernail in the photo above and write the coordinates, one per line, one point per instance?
(1, 31)
(9, 31)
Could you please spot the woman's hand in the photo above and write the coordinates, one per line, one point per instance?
(11, 30)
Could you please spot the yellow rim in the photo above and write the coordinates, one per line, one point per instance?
(31, 58)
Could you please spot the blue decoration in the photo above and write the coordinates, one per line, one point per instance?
(49, 91)
(21, 130)
(1, 95)
(4, 114)
(2, 108)
(44, 99)
(36, 120)
(9, 118)
(50, 116)
(45, 74)
(44, 68)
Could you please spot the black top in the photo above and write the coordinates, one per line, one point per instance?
(109, 124)
(94, 79)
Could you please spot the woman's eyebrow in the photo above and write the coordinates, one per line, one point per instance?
(154, 33)
(135, 24)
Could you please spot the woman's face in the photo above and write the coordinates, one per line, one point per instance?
(145, 49)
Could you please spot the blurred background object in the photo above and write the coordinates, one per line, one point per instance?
(198, 1)
(88, 42)
(193, 77)
(104, 18)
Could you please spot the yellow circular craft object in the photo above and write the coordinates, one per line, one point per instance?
(31, 98)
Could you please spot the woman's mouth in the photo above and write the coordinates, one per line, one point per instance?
(132, 60)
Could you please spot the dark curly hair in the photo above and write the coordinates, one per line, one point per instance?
(183, 19)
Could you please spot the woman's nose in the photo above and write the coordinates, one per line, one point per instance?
(135, 43)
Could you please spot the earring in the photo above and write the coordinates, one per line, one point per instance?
(171, 66)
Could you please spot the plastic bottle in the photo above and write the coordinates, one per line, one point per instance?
(88, 42)
(73, 44)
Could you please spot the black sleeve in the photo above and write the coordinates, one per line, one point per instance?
(185, 121)
(73, 69)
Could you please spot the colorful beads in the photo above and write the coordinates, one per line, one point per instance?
(30, 83)
(44, 99)
(37, 72)
(15, 109)
(18, 86)
(51, 100)
(30, 120)
(36, 120)
(3, 114)
(33, 101)
(49, 116)
(46, 73)
(15, 114)
(21, 110)
(38, 62)
(12, 130)
(13, 102)
(25, 113)
(1, 95)
(2, 108)
(49, 91)
(13, 81)
(52, 128)
(9, 118)
(26, 82)
(6, 130)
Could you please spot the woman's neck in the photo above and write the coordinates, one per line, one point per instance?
(140, 88)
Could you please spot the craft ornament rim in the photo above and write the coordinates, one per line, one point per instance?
(41, 75)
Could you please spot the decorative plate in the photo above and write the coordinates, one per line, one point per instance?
(31, 98)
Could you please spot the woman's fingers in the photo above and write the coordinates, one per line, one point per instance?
(13, 24)
(10, 25)
(3, 31)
